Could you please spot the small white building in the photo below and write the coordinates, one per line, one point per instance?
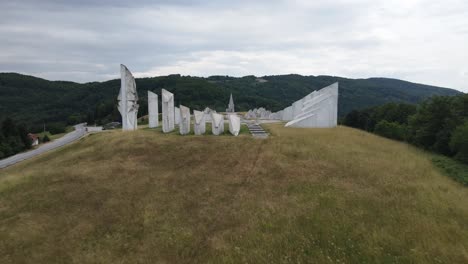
(34, 139)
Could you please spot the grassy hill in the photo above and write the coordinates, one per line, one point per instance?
(34, 101)
(301, 196)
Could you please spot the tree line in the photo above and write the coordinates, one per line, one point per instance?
(438, 124)
(13, 138)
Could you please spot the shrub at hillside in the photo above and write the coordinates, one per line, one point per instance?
(437, 124)
(56, 128)
(431, 127)
(459, 142)
(391, 130)
(367, 119)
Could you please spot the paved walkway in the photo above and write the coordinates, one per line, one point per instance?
(79, 132)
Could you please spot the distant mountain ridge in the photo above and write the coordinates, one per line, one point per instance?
(34, 100)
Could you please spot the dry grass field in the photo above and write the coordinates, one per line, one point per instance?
(301, 196)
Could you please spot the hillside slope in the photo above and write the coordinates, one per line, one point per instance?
(34, 101)
(301, 196)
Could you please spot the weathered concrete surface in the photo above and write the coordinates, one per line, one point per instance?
(153, 111)
(128, 100)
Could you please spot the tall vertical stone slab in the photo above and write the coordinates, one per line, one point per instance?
(128, 100)
(167, 100)
(234, 124)
(177, 115)
(153, 111)
(184, 126)
(217, 123)
(199, 125)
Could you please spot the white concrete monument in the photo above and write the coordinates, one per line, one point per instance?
(287, 114)
(207, 113)
(217, 123)
(184, 126)
(177, 115)
(167, 100)
(234, 124)
(128, 100)
(153, 111)
(199, 125)
(320, 109)
(296, 108)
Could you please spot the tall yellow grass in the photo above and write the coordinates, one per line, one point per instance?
(300, 196)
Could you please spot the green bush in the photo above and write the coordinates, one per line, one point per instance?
(459, 143)
(391, 130)
(56, 128)
(45, 139)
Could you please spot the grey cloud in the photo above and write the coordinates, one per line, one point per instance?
(85, 40)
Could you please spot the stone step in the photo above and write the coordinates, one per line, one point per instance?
(257, 131)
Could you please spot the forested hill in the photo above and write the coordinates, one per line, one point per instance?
(34, 101)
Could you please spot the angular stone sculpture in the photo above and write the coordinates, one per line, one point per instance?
(217, 123)
(128, 99)
(230, 108)
(234, 124)
(207, 113)
(167, 100)
(287, 114)
(296, 108)
(153, 111)
(320, 109)
(184, 126)
(177, 115)
(199, 125)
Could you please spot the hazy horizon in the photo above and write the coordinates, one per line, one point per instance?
(258, 76)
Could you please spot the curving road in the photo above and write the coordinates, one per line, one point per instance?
(80, 131)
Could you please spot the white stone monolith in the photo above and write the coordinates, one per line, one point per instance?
(153, 111)
(217, 123)
(234, 124)
(199, 125)
(128, 100)
(167, 100)
(184, 126)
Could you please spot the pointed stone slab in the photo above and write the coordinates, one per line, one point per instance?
(153, 111)
(184, 126)
(128, 100)
(217, 123)
(167, 99)
(234, 124)
(199, 126)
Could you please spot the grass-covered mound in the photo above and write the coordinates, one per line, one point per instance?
(302, 195)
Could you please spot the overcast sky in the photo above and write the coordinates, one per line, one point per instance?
(423, 41)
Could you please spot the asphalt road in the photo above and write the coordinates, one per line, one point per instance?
(79, 132)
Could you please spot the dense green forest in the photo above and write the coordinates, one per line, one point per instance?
(438, 124)
(13, 138)
(34, 101)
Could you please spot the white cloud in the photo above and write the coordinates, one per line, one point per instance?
(417, 40)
